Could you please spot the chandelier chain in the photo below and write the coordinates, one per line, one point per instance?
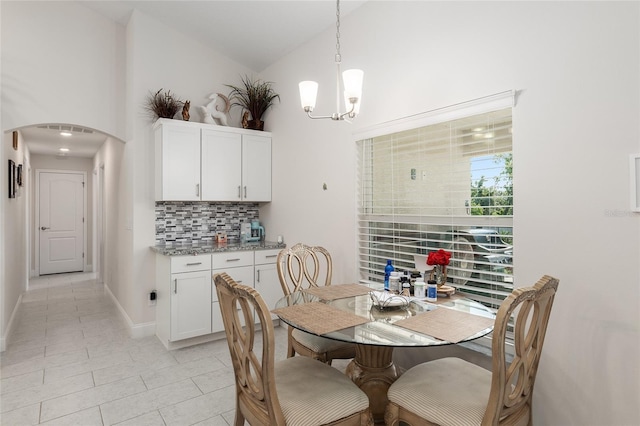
(338, 56)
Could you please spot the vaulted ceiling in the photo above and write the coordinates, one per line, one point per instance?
(253, 33)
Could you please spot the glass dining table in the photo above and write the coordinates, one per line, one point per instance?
(355, 313)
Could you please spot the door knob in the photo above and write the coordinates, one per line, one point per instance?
(44, 228)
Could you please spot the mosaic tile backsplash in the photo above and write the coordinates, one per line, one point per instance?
(193, 222)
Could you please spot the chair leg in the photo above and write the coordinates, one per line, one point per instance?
(239, 420)
(291, 352)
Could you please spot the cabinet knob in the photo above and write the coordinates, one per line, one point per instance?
(197, 189)
(239, 193)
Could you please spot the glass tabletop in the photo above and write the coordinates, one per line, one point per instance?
(381, 329)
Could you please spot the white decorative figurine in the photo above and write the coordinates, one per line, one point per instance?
(209, 113)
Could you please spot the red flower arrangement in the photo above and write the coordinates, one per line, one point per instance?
(440, 257)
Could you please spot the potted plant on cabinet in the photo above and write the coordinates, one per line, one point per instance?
(163, 105)
(255, 96)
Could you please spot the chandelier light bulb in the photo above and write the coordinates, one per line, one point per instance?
(308, 94)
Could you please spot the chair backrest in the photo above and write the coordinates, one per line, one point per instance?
(303, 266)
(253, 362)
(512, 382)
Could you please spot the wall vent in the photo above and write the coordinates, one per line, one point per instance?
(66, 128)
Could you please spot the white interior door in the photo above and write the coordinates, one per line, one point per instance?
(61, 222)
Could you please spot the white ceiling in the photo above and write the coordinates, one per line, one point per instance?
(253, 33)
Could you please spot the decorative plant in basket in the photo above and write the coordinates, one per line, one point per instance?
(439, 259)
(255, 96)
(163, 105)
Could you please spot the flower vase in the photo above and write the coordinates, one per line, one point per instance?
(439, 274)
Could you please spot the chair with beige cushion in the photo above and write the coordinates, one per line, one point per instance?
(301, 267)
(295, 391)
(450, 391)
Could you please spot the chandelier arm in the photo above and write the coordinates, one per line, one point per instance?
(334, 116)
(350, 112)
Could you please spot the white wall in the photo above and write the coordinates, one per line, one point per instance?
(110, 157)
(49, 49)
(576, 65)
(577, 119)
(159, 57)
(13, 245)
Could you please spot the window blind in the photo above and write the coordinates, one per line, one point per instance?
(446, 185)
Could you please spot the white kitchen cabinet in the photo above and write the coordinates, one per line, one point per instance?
(187, 301)
(183, 307)
(205, 162)
(221, 165)
(266, 278)
(235, 167)
(256, 168)
(190, 315)
(177, 162)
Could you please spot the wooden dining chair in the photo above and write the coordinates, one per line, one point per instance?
(301, 267)
(450, 391)
(295, 391)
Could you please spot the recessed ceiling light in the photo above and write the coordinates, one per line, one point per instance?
(65, 134)
(64, 150)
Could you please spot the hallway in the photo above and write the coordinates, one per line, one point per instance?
(70, 361)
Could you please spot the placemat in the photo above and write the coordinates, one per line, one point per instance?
(446, 324)
(340, 291)
(319, 318)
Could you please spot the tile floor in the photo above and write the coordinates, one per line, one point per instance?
(70, 362)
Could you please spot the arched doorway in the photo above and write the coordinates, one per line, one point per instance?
(68, 148)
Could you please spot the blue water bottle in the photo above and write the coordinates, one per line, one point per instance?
(387, 271)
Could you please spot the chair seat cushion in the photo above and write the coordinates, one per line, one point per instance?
(319, 344)
(447, 391)
(307, 387)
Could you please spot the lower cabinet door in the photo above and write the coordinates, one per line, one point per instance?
(190, 304)
(242, 275)
(268, 285)
(217, 323)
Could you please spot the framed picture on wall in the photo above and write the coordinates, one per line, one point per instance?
(12, 179)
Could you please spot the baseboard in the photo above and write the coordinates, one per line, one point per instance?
(147, 329)
(4, 340)
(136, 331)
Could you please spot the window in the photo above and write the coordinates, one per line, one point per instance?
(446, 184)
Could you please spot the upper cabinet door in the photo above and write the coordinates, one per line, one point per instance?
(177, 163)
(221, 160)
(256, 168)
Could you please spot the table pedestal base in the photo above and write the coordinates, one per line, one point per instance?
(373, 371)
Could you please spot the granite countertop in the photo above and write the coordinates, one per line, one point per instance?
(211, 247)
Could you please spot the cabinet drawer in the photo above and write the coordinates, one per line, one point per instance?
(232, 259)
(201, 262)
(242, 275)
(266, 256)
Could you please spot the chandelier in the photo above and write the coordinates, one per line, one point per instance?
(352, 81)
